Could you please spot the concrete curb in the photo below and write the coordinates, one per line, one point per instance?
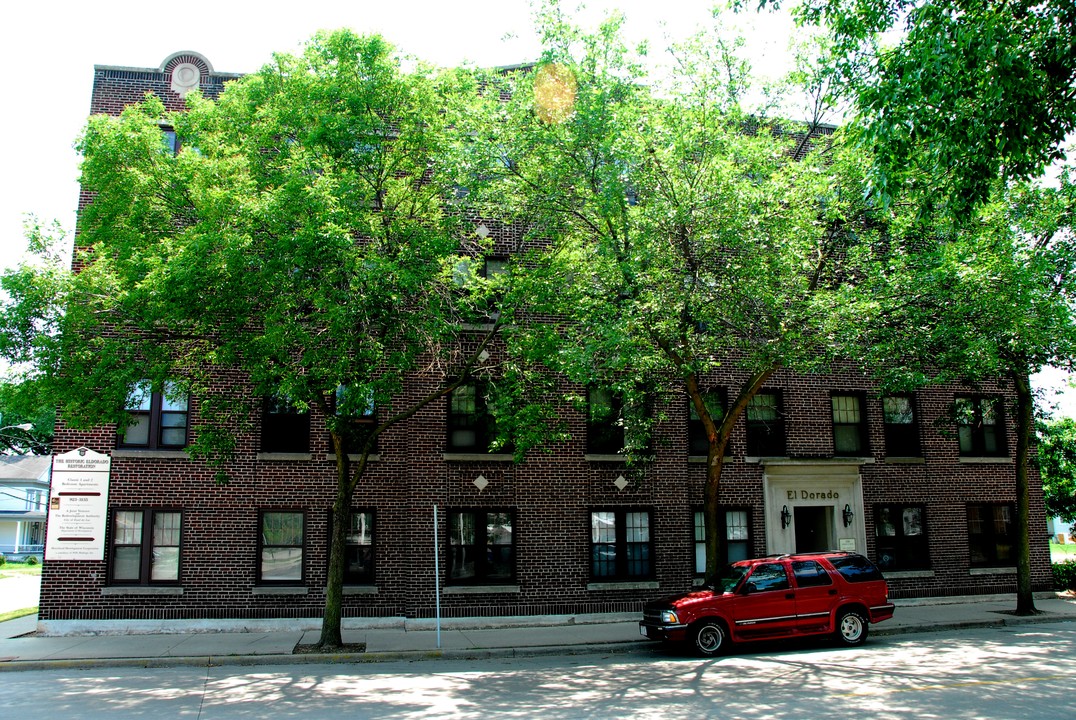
(327, 658)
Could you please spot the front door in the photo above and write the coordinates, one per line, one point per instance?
(814, 528)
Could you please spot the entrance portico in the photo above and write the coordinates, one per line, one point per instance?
(814, 505)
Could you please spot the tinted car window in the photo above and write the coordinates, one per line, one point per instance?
(729, 578)
(810, 573)
(856, 568)
(769, 576)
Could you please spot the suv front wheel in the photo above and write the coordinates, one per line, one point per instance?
(709, 638)
(851, 628)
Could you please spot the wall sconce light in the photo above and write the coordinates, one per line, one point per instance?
(848, 515)
(786, 517)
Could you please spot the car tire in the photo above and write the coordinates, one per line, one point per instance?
(851, 628)
(709, 638)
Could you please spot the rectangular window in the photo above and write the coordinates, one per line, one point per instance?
(901, 426)
(620, 545)
(991, 535)
(470, 426)
(766, 425)
(481, 547)
(849, 425)
(158, 419)
(145, 547)
(359, 551)
(605, 422)
(280, 547)
(698, 443)
(901, 535)
(979, 426)
(285, 429)
(737, 538)
(357, 409)
(170, 140)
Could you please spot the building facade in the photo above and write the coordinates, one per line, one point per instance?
(922, 483)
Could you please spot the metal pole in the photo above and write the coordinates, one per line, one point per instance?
(437, 576)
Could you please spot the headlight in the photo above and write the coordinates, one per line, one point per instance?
(668, 617)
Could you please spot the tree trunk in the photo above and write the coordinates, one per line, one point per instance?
(1025, 600)
(331, 621)
(719, 435)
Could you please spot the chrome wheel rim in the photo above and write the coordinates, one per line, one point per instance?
(851, 627)
(709, 639)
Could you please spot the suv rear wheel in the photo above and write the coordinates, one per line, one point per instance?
(851, 628)
(709, 638)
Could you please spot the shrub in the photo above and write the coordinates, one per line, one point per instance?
(1064, 576)
(31, 560)
(2, 560)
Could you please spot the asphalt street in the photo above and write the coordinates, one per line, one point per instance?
(1001, 672)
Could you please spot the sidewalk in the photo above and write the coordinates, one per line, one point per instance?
(459, 638)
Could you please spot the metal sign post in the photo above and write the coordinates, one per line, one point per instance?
(437, 576)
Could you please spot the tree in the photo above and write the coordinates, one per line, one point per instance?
(990, 296)
(951, 94)
(300, 247)
(681, 234)
(26, 427)
(1057, 463)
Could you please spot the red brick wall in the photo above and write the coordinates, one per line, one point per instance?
(551, 493)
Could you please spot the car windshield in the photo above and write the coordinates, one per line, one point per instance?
(729, 577)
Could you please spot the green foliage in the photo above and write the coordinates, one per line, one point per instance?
(2, 560)
(301, 240)
(1057, 464)
(951, 94)
(21, 404)
(1064, 576)
(669, 231)
(31, 560)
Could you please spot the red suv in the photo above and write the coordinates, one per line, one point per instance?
(781, 596)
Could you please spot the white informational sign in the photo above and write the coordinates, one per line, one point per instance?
(847, 544)
(78, 506)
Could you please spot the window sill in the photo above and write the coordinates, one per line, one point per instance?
(1006, 570)
(150, 454)
(901, 460)
(142, 590)
(279, 590)
(702, 459)
(359, 590)
(283, 457)
(907, 574)
(479, 589)
(372, 457)
(478, 457)
(786, 460)
(637, 585)
(985, 460)
(605, 457)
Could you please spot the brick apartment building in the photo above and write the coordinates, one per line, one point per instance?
(820, 462)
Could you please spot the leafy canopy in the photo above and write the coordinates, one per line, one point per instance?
(951, 94)
(298, 241)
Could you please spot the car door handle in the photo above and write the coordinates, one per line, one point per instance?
(833, 591)
(790, 596)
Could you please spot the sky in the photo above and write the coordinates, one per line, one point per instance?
(48, 49)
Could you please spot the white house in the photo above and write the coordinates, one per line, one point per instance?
(24, 497)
